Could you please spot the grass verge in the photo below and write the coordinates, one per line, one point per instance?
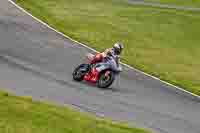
(186, 3)
(22, 115)
(162, 42)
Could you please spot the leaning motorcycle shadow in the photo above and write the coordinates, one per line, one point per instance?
(93, 85)
(113, 88)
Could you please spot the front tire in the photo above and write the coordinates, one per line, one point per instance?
(105, 82)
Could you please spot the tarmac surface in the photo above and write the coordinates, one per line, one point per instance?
(38, 62)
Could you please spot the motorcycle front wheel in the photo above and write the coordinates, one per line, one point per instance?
(105, 80)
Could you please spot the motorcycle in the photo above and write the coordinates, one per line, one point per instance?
(107, 71)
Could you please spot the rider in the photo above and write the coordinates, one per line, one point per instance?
(115, 52)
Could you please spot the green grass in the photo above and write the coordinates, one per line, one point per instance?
(22, 115)
(187, 3)
(162, 42)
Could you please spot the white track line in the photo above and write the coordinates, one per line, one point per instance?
(130, 67)
(165, 6)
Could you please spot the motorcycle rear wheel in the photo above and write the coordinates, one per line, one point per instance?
(78, 75)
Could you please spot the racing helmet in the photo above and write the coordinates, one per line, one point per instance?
(118, 47)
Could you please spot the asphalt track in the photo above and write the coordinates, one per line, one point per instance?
(37, 61)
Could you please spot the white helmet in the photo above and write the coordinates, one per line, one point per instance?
(118, 47)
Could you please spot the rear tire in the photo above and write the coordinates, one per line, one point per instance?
(101, 83)
(78, 75)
